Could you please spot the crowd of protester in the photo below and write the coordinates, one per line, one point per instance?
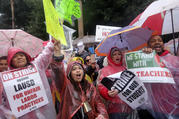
(76, 92)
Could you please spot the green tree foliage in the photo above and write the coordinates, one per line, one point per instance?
(111, 12)
(21, 12)
(36, 24)
(5, 10)
(29, 14)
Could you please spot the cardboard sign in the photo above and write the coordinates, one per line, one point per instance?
(131, 89)
(148, 67)
(103, 31)
(24, 89)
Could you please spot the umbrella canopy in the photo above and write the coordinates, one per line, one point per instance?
(129, 37)
(18, 38)
(170, 45)
(159, 16)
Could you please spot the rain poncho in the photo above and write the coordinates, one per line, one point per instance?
(164, 98)
(115, 104)
(72, 100)
(41, 62)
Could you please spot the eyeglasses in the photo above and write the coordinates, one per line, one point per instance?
(88, 60)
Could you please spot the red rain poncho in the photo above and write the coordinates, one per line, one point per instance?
(72, 100)
(115, 105)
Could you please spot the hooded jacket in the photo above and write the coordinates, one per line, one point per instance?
(115, 104)
(164, 97)
(41, 62)
(88, 78)
(72, 100)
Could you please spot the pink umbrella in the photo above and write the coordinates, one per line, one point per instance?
(161, 16)
(18, 38)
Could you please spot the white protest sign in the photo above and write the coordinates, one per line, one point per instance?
(24, 90)
(148, 67)
(68, 36)
(131, 90)
(103, 31)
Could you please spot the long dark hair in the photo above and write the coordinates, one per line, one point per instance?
(84, 83)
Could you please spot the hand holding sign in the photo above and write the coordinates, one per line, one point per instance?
(113, 93)
(129, 88)
(148, 67)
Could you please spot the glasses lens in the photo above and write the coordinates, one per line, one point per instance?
(87, 60)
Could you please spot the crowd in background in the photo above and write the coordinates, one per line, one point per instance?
(75, 88)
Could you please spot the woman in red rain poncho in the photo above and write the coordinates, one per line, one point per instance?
(17, 58)
(79, 98)
(117, 109)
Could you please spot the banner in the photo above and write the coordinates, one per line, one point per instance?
(103, 31)
(148, 67)
(68, 9)
(24, 89)
(53, 25)
(131, 90)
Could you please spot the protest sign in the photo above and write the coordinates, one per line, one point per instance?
(24, 89)
(68, 9)
(131, 89)
(103, 31)
(53, 26)
(148, 67)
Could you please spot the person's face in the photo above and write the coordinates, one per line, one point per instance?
(3, 65)
(19, 60)
(88, 60)
(79, 61)
(77, 73)
(116, 57)
(156, 43)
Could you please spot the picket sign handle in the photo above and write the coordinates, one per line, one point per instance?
(50, 38)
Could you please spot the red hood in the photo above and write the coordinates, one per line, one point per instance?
(111, 62)
(12, 51)
(70, 65)
(165, 53)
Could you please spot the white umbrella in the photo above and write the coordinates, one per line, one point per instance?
(158, 7)
(161, 16)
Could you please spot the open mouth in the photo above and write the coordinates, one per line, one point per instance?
(78, 75)
(157, 47)
(118, 60)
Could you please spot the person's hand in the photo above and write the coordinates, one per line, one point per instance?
(113, 93)
(57, 48)
(147, 50)
(99, 117)
(93, 65)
